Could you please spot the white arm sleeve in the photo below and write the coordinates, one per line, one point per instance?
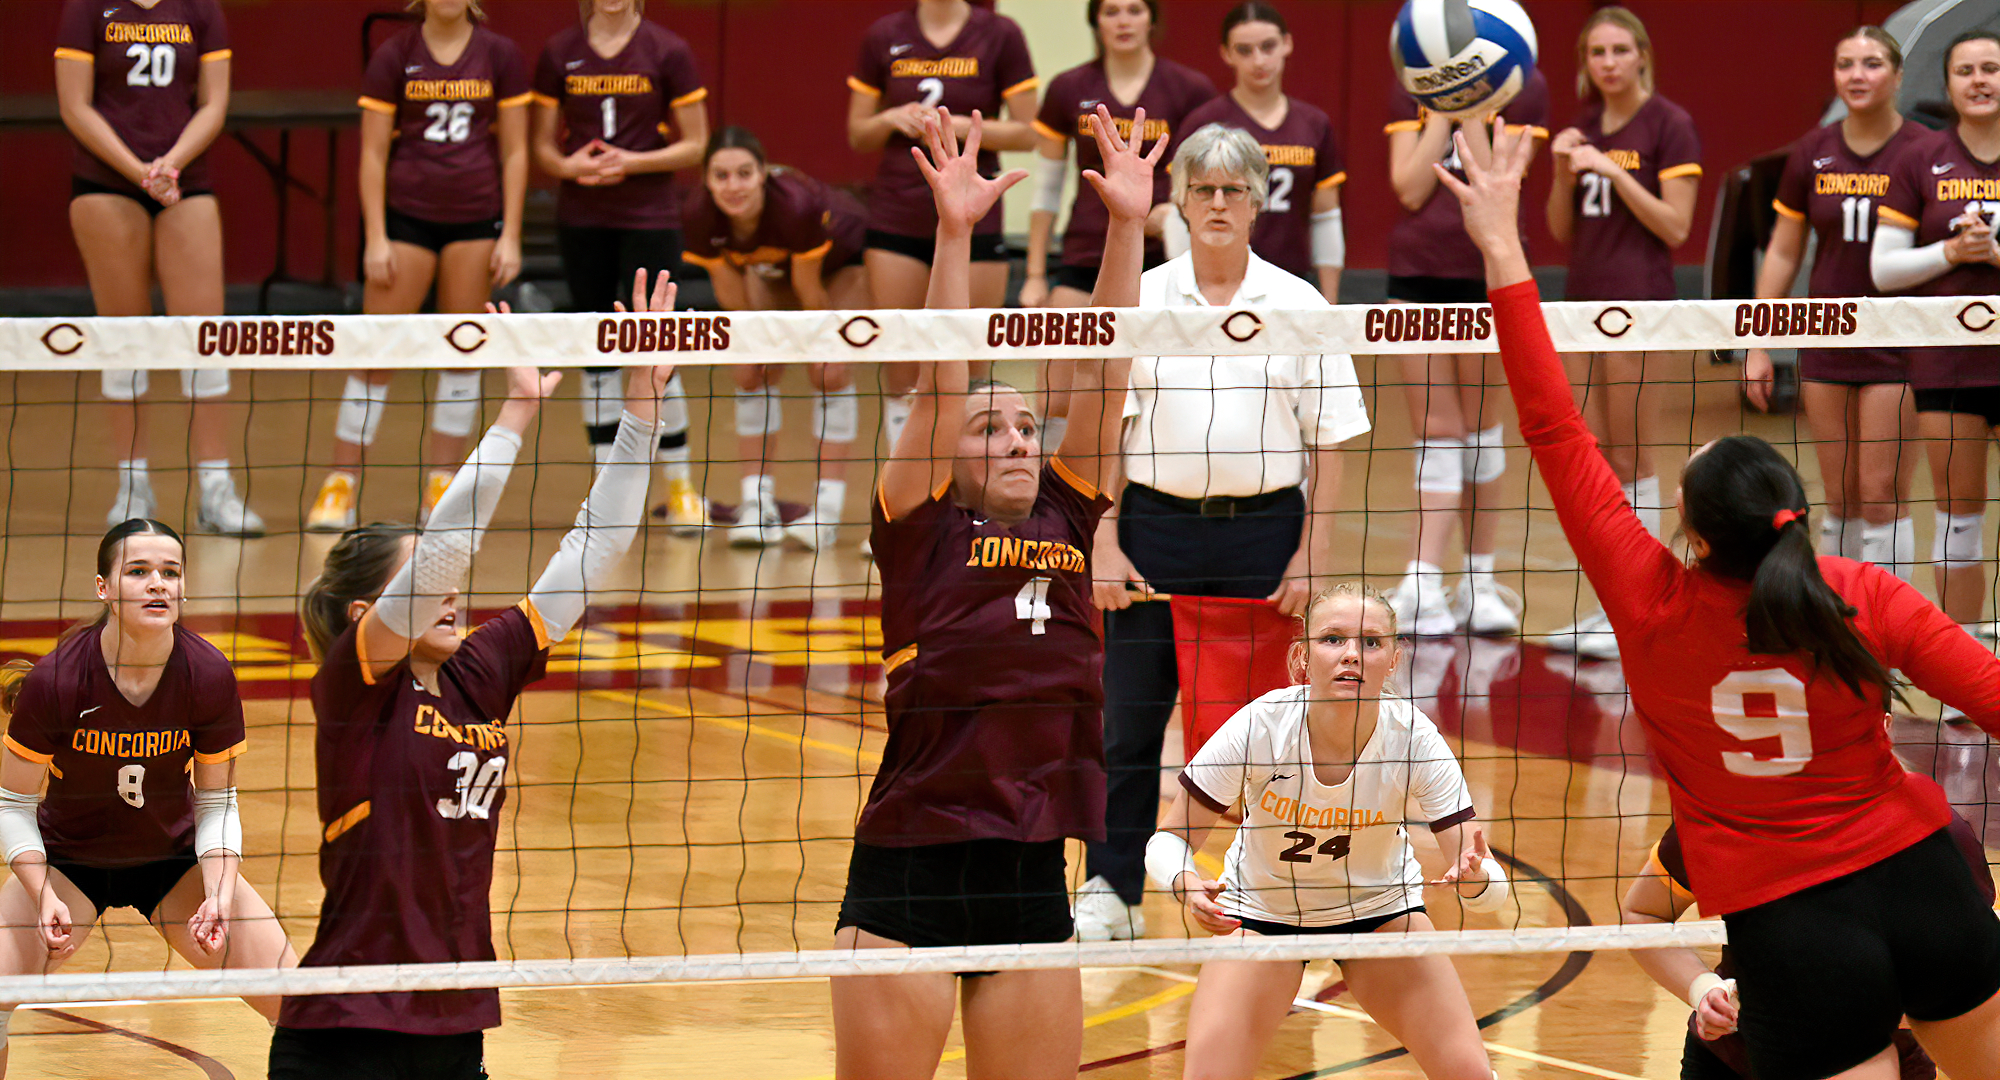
(1896, 262)
(1496, 888)
(1167, 858)
(20, 833)
(1174, 235)
(1329, 239)
(604, 530)
(1050, 175)
(444, 551)
(217, 825)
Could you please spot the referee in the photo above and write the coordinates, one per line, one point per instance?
(1221, 456)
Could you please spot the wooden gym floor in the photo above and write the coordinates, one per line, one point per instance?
(687, 777)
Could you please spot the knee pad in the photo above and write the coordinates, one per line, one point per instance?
(1440, 466)
(895, 414)
(603, 400)
(837, 416)
(674, 408)
(1486, 455)
(204, 383)
(758, 412)
(360, 415)
(456, 409)
(1960, 541)
(125, 385)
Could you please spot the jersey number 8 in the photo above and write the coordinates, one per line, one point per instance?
(132, 785)
(1759, 705)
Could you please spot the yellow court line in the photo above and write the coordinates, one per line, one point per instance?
(1144, 1004)
(641, 700)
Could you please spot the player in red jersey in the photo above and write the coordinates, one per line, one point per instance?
(444, 174)
(413, 740)
(1761, 675)
(1857, 400)
(1934, 237)
(1627, 173)
(994, 672)
(771, 240)
(619, 108)
(144, 88)
(1455, 400)
(135, 725)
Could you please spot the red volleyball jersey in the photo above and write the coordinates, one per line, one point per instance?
(626, 101)
(1612, 255)
(410, 791)
(1780, 780)
(802, 219)
(1431, 242)
(1171, 93)
(120, 792)
(1304, 156)
(444, 164)
(147, 65)
(1931, 185)
(996, 696)
(987, 61)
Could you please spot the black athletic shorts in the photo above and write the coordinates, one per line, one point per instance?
(374, 1054)
(79, 187)
(977, 892)
(1358, 926)
(599, 263)
(139, 887)
(986, 247)
(1084, 278)
(438, 235)
(1827, 973)
(1982, 401)
(1437, 290)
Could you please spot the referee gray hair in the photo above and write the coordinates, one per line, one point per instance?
(1230, 151)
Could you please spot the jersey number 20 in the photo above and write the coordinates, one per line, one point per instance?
(152, 65)
(1759, 705)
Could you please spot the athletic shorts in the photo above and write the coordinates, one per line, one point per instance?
(986, 247)
(438, 235)
(1358, 926)
(1084, 278)
(1827, 973)
(373, 1054)
(599, 263)
(79, 187)
(977, 892)
(1981, 401)
(1437, 290)
(139, 887)
(1854, 367)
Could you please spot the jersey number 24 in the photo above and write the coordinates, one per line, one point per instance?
(1759, 705)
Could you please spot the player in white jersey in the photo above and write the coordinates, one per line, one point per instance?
(1324, 771)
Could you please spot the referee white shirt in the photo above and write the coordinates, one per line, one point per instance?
(1202, 426)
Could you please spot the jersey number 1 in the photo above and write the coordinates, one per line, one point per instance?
(1758, 705)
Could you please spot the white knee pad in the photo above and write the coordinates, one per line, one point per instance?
(1960, 541)
(204, 383)
(603, 400)
(759, 412)
(1440, 466)
(1486, 455)
(125, 385)
(674, 407)
(456, 410)
(837, 416)
(360, 415)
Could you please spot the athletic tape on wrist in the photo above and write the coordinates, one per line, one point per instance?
(1495, 893)
(218, 826)
(20, 832)
(1701, 985)
(1167, 858)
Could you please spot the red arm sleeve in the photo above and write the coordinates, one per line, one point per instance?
(1625, 564)
(1937, 655)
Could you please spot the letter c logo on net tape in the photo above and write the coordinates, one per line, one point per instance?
(860, 331)
(1229, 326)
(64, 344)
(452, 337)
(1614, 317)
(1966, 316)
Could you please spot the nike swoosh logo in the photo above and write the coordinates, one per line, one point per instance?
(1962, 528)
(1940, 170)
(1822, 162)
(88, 711)
(898, 50)
(1283, 776)
(574, 64)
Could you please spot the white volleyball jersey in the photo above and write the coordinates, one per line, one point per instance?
(1309, 854)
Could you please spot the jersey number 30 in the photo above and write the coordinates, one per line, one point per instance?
(1758, 705)
(477, 786)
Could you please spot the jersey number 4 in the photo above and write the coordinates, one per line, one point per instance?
(1032, 604)
(477, 786)
(1335, 847)
(1759, 705)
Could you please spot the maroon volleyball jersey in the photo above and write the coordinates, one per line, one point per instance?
(987, 61)
(1170, 95)
(1612, 255)
(1304, 156)
(119, 774)
(996, 697)
(1836, 192)
(1432, 242)
(802, 219)
(410, 791)
(444, 165)
(626, 101)
(1930, 186)
(147, 70)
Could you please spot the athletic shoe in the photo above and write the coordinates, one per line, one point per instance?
(1590, 636)
(757, 525)
(1481, 605)
(685, 510)
(333, 510)
(1102, 916)
(223, 513)
(1421, 607)
(810, 533)
(435, 485)
(134, 499)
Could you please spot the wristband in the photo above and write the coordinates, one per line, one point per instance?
(1702, 984)
(1167, 858)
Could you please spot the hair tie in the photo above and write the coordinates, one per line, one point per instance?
(1784, 517)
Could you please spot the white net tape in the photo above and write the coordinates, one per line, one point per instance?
(460, 341)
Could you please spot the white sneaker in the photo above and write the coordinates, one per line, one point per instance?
(134, 499)
(1102, 916)
(1481, 605)
(1590, 636)
(223, 512)
(811, 533)
(757, 525)
(1421, 607)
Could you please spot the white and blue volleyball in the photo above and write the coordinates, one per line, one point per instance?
(1462, 58)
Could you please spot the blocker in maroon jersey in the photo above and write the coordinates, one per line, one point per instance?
(148, 68)
(444, 165)
(1930, 187)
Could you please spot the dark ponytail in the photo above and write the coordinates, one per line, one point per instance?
(356, 569)
(1746, 502)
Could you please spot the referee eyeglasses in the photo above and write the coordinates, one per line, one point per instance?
(1232, 194)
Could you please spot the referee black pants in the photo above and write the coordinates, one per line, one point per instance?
(1178, 552)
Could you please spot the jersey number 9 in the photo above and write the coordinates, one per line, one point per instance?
(1759, 705)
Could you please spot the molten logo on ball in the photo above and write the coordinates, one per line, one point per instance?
(1462, 58)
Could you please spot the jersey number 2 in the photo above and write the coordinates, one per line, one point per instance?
(1758, 705)
(1281, 191)
(152, 65)
(1032, 604)
(933, 91)
(1336, 846)
(477, 786)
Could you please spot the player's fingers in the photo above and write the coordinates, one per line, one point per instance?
(1451, 183)
(973, 135)
(664, 290)
(1159, 150)
(924, 164)
(1007, 180)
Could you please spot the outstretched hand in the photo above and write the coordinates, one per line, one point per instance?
(964, 197)
(644, 385)
(1490, 195)
(1126, 184)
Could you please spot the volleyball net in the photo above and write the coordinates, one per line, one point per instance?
(684, 787)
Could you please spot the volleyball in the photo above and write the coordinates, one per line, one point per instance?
(1462, 58)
